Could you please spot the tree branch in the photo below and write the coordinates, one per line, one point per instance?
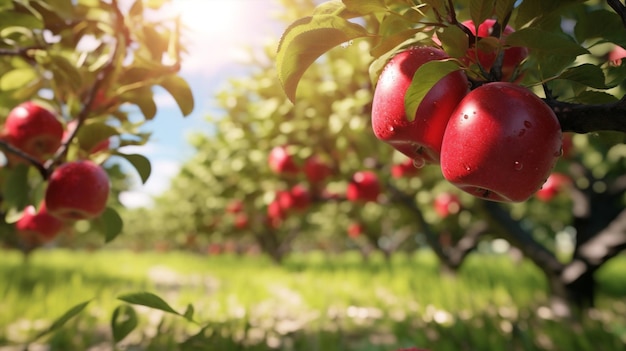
(32, 160)
(519, 237)
(579, 118)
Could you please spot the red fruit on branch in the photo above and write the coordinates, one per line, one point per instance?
(33, 129)
(501, 143)
(234, 206)
(77, 190)
(281, 162)
(420, 138)
(555, 183)
(363, 187)
(316, 170)
(446, 204)
(38, 225)
(241, 221)
(405, 169)
(355, 230)
(513, 56)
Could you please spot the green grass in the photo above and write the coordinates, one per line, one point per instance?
(312, 302)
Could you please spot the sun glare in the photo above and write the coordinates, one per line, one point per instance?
(216, 17)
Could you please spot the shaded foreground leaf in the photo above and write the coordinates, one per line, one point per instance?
(149, 300)
(305, 41)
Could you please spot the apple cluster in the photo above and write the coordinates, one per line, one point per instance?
(498, 141)
(75, 190)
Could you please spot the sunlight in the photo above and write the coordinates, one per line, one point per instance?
(210, 17)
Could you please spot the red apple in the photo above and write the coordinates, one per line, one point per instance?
(33, 129)
(38, 225)
(447, 204)
(316, 170)
(553, 185)
(419, 139)
(275, 213)
(513, 56)
(616, 55)
(241, 221)
(501, 143)
(281, 162)
(77, 190)
(300, 196)
(405, 169)
(234, 206)
(355, 230)
(363, 187)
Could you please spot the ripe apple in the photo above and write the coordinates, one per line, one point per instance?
(296, 198)
(275, 213)
(281, 162)
(501, 143)
(241, 221)
(553, 185)
(38, 225)
(419, 139)
(33, 129)
(77, 190)
(234, 206)
(447, 204)
(513, 56)
(355, 230)
(616, 55)
(316, 170)
(363, 187)
(404, 169)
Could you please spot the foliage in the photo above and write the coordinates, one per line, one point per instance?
(95, 66)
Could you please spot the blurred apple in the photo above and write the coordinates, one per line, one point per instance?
(555, 183)
(447, 204)
(363, 187)
(281, 162)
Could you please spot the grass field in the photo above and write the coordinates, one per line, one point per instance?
(312, 302)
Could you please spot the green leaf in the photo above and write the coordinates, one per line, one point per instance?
(305, 41)
(503, 9)
(59, 322)
(149, 300)
(66, 71)
(393, 41)
(180, 91)
(454, 41)
(189, 312)
(141, 164)
(611, 29)
(587, 74)
(546, 42)
(423, 80)
(123, 321)
(480, 10)
(365, 7)
(16, 188)
(112, 224)
(595, 97)
(17, 78)
(91, 134)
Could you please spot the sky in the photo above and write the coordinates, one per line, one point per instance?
(219, 33)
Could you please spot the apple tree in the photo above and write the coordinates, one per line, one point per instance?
(535, 70)
(77, 87)
(304, 176)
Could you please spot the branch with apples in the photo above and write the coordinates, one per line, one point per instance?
(70, 111)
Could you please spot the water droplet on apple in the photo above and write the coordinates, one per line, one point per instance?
(468, 168)
(419, 163)
(559, 152)
(518, 166)
(527, 124)
(521, 132)
(465, 116)
(391, 129)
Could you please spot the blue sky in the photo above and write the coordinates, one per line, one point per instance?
(220, 30)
